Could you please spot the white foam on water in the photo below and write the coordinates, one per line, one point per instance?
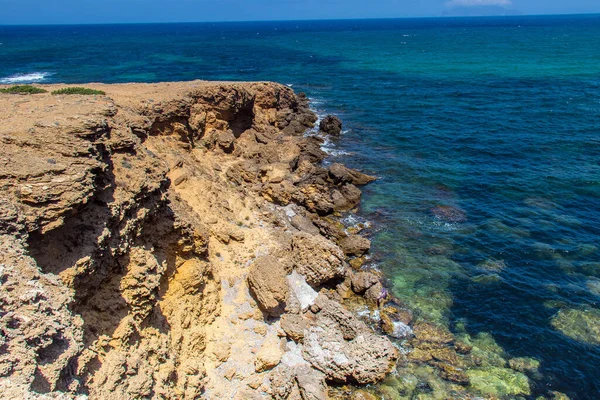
(353, 221)
(25, 78)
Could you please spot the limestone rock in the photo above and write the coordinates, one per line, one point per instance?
(342, 174)
(317, 259)
(113, 285)
(355, 245)
(268, 283)
(362, 281)
(294, 325)
(269, 356)
(344, 349)
(376, 293)
(304, 224)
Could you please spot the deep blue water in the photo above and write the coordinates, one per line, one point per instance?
(498, 118)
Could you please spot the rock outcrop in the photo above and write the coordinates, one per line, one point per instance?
(331, 125)
(176, 241)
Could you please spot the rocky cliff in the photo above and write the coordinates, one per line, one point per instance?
(178, 241)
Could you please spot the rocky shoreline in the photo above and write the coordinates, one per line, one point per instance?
(182, 240)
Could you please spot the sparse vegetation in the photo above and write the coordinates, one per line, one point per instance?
(23, 89)
(78, 90)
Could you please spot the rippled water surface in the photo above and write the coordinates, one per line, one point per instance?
(485, 134)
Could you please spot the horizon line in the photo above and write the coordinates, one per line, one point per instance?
(307, 20)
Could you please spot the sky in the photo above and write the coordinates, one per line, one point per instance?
(123, 11)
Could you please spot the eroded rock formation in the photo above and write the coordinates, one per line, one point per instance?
(175, 241)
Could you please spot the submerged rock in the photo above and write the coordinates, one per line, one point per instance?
(582, 325)
(492, 265)
(331, 125)
(449, 213)
(524, 364)
(499, 382)
(363, 395)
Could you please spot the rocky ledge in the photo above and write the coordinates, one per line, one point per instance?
(179, 241)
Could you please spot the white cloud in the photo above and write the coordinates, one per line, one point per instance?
(474, 3)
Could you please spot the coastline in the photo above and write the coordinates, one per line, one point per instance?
(185, 241)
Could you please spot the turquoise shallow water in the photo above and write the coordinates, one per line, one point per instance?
(485, 134)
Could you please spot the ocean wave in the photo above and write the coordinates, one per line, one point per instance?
(26, 78)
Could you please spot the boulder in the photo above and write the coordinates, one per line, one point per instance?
(268, 284)
(303, 295)
(331, 125)
(317, 199)
(341, 174)
(394, 328)
(317, 258)
(346, 197)
(355, 245)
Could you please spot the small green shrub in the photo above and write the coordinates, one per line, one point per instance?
(78, 90)
(27, 89)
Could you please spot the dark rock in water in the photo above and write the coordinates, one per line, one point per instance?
(452, 373)
(449, 213)
(331, 125)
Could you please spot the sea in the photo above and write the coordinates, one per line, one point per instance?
(484, 134)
